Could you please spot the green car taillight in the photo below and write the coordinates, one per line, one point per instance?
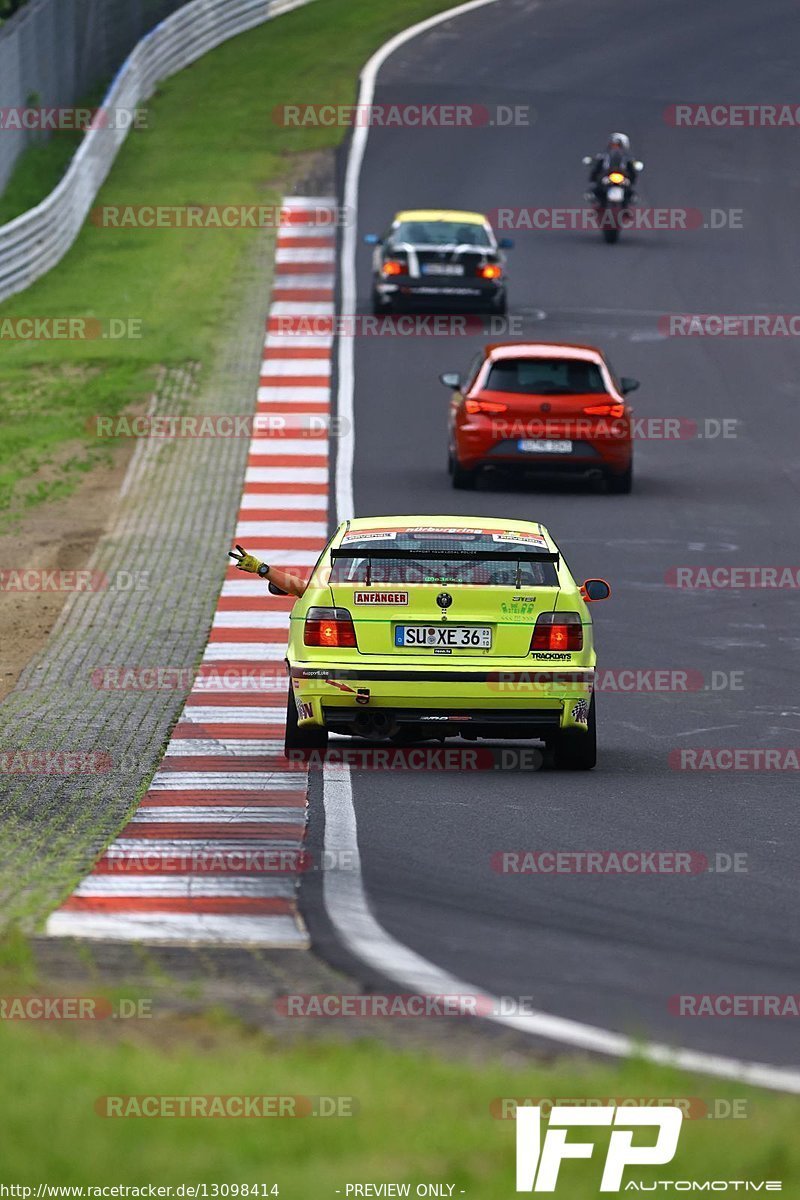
(330, 627)
(558, 631)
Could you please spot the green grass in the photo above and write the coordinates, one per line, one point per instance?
(419, 1118)
(211, 139)
(16, 956)
(41, 166)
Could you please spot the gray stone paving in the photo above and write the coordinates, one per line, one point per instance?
(171, 534)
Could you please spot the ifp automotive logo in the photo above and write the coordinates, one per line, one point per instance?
(538, 1161)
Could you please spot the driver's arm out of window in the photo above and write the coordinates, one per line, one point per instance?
(293, 585)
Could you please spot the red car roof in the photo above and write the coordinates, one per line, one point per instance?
(500, 350)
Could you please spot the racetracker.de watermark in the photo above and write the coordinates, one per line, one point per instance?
(72, 1008)
(641, 429)
(406, 115)
(208, 678)
(219, 425)
(420, 758)
(222, 860)
(623, 680)
(55, 762)
(60, 120)
(58, 579)
(70, 329)
(735, 758)
(618, 862)
(400, 1005)
(730, 325)
(732, 1004)
(722, 578)
(694, 1108)
(593, 219)
(733, 116)
(216, 216)
(401, 325)
(204, 1107)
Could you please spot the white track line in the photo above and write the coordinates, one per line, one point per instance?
(299, 341)
(183, 848)
(359, 931)
(343, 891)
(275, 393)
(286, 475)
(315, 203)
(230, 744)
(235, 781)
(304, 281)
(302, 308)
(297, 366)
(281, 422)
(278, 446)
(209, 928)
(252, 652)
(251, 620)
(264, 887)
(193, 814)
(243, 588)
(279, 556)
(210, 714)
(284, 503)
(275, 530)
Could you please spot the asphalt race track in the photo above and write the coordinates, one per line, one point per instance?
(606, 950)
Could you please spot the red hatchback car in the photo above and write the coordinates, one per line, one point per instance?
(549, 407)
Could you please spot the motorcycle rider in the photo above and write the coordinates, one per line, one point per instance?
(616, 157)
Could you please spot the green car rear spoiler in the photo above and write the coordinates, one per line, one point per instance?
(549, 556)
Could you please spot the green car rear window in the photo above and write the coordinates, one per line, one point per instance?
(453, 570)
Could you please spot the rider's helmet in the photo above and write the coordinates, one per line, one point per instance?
(619, 141)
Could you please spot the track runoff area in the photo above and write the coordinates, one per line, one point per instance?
(214, 850)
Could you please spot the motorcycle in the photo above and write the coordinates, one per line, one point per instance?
(612, 196)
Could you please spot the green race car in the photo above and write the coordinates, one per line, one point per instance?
(418, 627)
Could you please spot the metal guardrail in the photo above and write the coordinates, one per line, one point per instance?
(54, 53)
(34, 242)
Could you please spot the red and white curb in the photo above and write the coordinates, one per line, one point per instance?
(196, 861)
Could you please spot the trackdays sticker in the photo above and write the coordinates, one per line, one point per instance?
(380, 597)
(370, 535)
(522, 539)
(437, 529)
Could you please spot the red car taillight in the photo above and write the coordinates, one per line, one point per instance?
(490, 271)
(485, 406)
(606, 410)
(558, 631)
(393, 267)
(329, 627)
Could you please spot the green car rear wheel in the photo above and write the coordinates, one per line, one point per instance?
(574, 751)
(307, 737)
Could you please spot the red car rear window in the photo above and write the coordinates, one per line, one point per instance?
(545, 377)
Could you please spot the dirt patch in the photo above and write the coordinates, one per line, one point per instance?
(307, 173)
(240, 990)
(58, 535)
